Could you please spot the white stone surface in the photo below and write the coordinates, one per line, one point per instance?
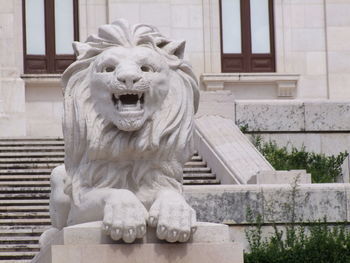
(44, 105)
(256, 85)
(229, 203)
(218, 103)
(327, 115)
(283, 177)
(293, 115)
(227, 150)
(74, 244)
(270, 115)
(130, 100)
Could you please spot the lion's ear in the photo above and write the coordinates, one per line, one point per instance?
(80, 48)
(176, 48)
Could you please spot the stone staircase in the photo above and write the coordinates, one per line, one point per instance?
(25, 167)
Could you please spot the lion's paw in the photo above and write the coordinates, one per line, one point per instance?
(174, 218)
(125, 218)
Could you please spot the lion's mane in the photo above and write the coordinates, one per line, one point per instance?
(98, 154)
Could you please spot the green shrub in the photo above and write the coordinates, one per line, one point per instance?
(321, 243)
(314, 242)
(323, 169)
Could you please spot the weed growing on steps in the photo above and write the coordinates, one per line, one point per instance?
(314, 242)
(323, 169)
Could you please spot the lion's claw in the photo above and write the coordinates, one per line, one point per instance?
(174, 218)
(125, 217)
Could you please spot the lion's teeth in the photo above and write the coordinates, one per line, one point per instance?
(120, 105)
(139, 95)
(138, 105)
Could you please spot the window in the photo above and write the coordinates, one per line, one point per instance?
(247, 36)
(49, 28)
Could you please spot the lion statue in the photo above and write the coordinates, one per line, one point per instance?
(129, 102)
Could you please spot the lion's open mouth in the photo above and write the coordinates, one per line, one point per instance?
(129, 102)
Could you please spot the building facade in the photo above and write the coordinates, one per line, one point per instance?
(264, 51)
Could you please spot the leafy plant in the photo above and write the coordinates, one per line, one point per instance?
(317, 243)
(323, 169)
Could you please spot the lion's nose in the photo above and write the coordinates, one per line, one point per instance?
(128, 77)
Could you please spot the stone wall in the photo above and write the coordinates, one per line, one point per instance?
(319, 125)
(12, 95)
(229, 204)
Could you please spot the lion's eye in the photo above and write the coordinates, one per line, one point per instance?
(145, 68)
(109, 69)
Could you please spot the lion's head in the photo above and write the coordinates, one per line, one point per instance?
(130, 91)
(129, 84)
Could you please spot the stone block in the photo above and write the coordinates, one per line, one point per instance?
(87, 243)
(305, 203)
(316, 63)
(338, 13)
(338, 84)
(129, 11)
(270, 115)
(313, 87)
(283, 177)
(325, 115)
(219, 103)
(157, 14)
(228, 204)
(338, 38)
(180, 16)
(338, 62)
(306, 39)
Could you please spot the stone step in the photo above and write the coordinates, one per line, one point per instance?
(196, 158)
(24, 202)
(197, 170)
(55, 160)
(16, 184)
(25, 221)
(10, 155)
(19, 239)
(12, 166)
(22, 231)
(32, 149)
(195, 164)
(27, 138)
(15, 261)
(22, 215)
(21, 196)
(25, 190)
(17, 255)
(37, 208)
(25, 171)
(199, 176)
(200, 182)
(30, 143)
(19, 247)
(27, 177)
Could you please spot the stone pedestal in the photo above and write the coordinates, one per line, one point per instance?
(86, 243)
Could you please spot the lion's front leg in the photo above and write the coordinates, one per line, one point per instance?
(174, 218)
(123, 215)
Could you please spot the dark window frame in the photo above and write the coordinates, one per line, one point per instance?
(247, 61)
(50, 62)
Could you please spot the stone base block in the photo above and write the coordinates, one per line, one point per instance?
(86, 243)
